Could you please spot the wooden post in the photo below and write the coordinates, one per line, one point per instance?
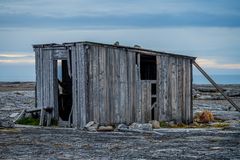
(216, 86)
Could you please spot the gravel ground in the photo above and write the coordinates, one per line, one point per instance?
(35, 143)
(54, 143)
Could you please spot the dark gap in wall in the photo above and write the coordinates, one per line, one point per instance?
(153, 88)
(64, 90)
(148, 67)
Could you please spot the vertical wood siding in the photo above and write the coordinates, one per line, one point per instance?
(118, 95)
(79, 88)
(174, 101)
(107, 87)
(46, 70)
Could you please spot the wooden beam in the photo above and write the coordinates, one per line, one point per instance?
(216, 86)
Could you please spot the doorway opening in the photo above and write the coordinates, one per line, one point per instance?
(148, 72)
(64, 90)
(148, 67)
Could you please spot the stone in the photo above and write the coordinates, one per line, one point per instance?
(91, 126)
(171, 123)
(141, 126)
(155, 124)
(4, 123)
(105, 128)
(204, 97)
(122, 126)
(13, 115)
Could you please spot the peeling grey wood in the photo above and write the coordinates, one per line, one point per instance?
(107, 86)
(60, 54)
(79, 86)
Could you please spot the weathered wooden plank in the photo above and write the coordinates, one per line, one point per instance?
(138, 111)
(131, 61)
(174, 88)
(133, 85)
(159, 91)
(123, 86)
(180, 89)
(51, 84)
(82, 84)
(41, 79)
(143, 100)
(165, 79)
(38, 77)
(90, 83)
(74, 87)
(60, 54)
(110, 77)
(168, 91)
(117, 91)
(147, 105)
(107, 86)
(191, 94)
(94, 51)
(55, 90)
(184, 93)
(102, 86)
(188, 91)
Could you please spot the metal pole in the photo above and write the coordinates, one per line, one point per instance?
(216, 86)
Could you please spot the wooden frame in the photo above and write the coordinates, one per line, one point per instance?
(106, 83)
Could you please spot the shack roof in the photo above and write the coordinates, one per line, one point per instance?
(137, 49)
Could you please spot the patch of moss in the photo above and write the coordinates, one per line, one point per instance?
(28, 121)
(163, 124)
(220, 125)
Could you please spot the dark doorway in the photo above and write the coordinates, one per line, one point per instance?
(148, 67)
(64, 90)
(148, 71)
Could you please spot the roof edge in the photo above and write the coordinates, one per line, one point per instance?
(111, 45)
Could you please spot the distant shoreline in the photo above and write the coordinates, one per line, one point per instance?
(30, 85)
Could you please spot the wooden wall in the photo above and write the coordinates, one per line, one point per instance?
(79, 88)
(46, 70)
(107, 88)
(174, 80)
(111, 85)
(117, 95)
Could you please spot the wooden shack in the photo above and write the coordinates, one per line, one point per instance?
(111, 84)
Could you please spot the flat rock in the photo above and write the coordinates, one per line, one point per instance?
(91, 126)
(155, 124)
(105, 128)
(13, 115)
(141, 126)
(122, 126)
(5, 123)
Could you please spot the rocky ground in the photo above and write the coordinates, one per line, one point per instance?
(165, 143)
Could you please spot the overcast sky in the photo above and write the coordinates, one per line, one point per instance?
(209, 30)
